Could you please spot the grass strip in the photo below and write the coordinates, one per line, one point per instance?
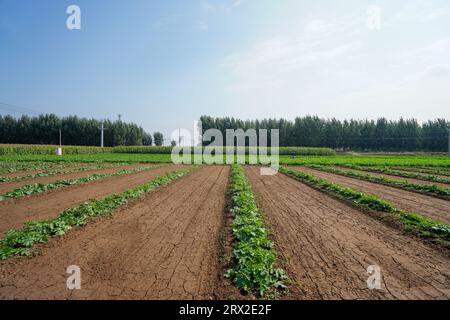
(254, 254)
(429, 189)
(435, 231)
(393, 172)
(19, 242)
(42, 187)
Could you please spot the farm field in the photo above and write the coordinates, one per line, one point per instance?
(155, 230)
(434, 162)
(411, 201)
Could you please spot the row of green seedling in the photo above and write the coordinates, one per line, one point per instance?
(425, 170)
(429, 189)
(43, 187)
(433, 230)
(52, 173)
(254, 255)
(20, 242)
(399, 173)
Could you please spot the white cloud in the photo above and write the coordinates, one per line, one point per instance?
(209, 9)
(270, 62)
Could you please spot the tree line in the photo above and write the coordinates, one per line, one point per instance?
(376, 135)
(44, 129)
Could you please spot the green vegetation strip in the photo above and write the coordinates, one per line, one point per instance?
(19, 242)
(8, 167)
(427, 171)
(42, 187)
(399, 173)
(254, 270)
(47, 174)
(428, 228)
(428, 189)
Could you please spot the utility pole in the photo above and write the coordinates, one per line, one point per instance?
(60, 140)
(102, 128)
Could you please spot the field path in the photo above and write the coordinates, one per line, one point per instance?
(14, 212)
(164, 246)
(9, 186)
(410, 201)
(327, 247)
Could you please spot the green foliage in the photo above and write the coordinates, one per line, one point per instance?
(254, 270)
(42, 187)
(24, 149)
(48, 173)
(370, 160)
(434, 230)
(44, 129)
(429, 189)
(19, 242)
(312, 131)
(393, 172)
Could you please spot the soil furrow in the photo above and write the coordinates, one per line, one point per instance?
(14, 212)
(431, 207)
(327, 246)
(164, 246)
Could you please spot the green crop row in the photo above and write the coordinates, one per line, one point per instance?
(424, 170)
(47, 174)
(25, 149)
(428, 189)
(11, 167)
(254, 270)
(42, 187)
(6, 149)
(435, 231)
(281, 150)
(19, 242)
(392, 172)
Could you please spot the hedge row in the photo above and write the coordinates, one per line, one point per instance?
(9, 149)
(25, 149)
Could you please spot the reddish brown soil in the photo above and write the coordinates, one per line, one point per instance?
(327, 246)
(393, 177)
(9, 186)
(164, 246)
(14, 212)
(428, 206)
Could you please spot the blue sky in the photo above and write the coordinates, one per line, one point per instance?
(162, 64)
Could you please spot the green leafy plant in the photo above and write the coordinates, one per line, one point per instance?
(19, 242)
(399, 173)
(42, 187)
(254, 270)
(429, 189)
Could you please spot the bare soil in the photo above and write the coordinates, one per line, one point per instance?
(163, 246)
(14, 212)
(326, 247)
(428, 206)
